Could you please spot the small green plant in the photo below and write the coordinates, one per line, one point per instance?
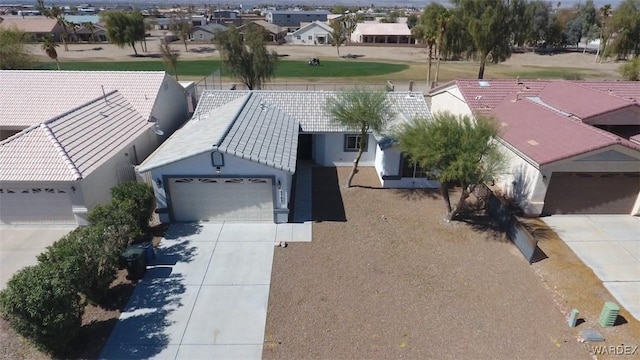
(41, 304)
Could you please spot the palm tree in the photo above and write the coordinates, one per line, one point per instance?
(425, 36)
(169, 57)
(443, 20)
(89, 26)
(49, 47)
(58, 14)
(603, 41)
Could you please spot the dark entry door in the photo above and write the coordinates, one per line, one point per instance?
(305, 146)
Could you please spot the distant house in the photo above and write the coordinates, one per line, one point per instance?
(381, 33)
(97, 34)
(315, 33)
(35, 26)
(571, 147)
(291, 19)
(274, 32)
(82, 134)
(207, 33)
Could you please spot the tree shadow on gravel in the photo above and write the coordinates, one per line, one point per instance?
(327, 200)
(415, 194)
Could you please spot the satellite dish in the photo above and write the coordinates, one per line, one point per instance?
(157, 130)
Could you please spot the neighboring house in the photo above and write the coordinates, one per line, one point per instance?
(292, 18)
(82, 134)
(573, 147)
(274, 32)
(36, 27)
(235, 158)
(315, 33)
(82, 19)
(381, 33)
(99, 33)
(206, 33)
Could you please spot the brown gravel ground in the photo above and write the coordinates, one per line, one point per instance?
(386, 277)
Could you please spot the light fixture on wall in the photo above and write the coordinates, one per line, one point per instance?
(279, 184)
(73, 189)
(158, 182)
(218, 170)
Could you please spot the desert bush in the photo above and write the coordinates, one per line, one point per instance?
(143, 201)
(118, 222)
(631, 70)
(92, 257)
(41, 303)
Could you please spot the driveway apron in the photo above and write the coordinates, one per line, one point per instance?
(206, 297)
(610, 246)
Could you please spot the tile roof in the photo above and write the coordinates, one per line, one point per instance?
(308, 107)
(30, 24)
(580, 101)
(51, 93)
(69, 147)
(545, 135)
(310, 25)
(483, 96)
(246, 126)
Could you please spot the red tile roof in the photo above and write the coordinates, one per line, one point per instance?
(546, 136)
(543, 118)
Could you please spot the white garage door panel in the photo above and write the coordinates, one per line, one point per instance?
(35, 207)
(241, 199)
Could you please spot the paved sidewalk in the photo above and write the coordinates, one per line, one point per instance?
(206, 298)
(610, 245)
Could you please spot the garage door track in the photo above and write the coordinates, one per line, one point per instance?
(206, 298)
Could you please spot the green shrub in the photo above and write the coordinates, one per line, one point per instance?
(631, 70)
(92, 257)
(41, 303)
(143, 200)
(117, 221)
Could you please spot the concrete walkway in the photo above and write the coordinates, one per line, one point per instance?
(206, 298)
(301, 228)
(20, 246)
(610, 245)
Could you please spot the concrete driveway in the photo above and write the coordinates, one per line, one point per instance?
(610, 245)
(207, 296)
(19, 247)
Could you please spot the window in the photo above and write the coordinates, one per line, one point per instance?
(353, 142)
(201, 36)
(310, 37)
(298, 37)
(411, 170)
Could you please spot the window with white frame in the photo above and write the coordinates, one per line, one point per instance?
(310, 37)
(298, 37)
(352, 142)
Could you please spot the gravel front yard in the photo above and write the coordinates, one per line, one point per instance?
(396, 281)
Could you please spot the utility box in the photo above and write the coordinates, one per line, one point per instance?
(134, 261)
(609, 314)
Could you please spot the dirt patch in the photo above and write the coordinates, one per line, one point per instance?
(392, 279)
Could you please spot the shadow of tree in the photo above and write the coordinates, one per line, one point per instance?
(141, 331)
(415, 194)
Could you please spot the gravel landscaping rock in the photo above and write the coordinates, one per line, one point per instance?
(386, 277)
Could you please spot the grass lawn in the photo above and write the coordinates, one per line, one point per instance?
(285, 69)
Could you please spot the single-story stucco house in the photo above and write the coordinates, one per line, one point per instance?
(382, 33)
(236, 157)
(573, 147)
(315, 33)
(81, 134)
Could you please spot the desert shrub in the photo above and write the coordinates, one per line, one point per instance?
(41, 303)
(143, 201)
(631, 70)
(92, 257)
(118, 222)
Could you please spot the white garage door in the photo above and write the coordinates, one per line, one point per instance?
(240, 199)
(35, 206)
